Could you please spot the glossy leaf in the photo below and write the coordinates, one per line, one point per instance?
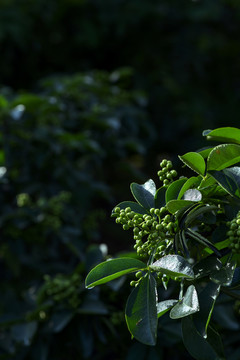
(207, 299)
(175, 205)
(197, 346)
(223, 134)
(187, 305)
(173, 265)
(144, 194)
(174, 189)
(112, 269)
(202, 240)
(228, 179)
(160, 199)
(191, 183)
(141, 311)
(224, 275)
(195, 161)
(137, 208)
(198, 211)
(223, 156)
(236, 278)
(165, 306)
(192, 195)
(205, 266)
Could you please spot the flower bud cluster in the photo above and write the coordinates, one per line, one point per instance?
(233, 233)
(166, 174)
(153, 232)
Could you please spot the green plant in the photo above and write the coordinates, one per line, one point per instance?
(187, 239)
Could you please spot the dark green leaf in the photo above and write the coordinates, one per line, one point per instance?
(191, 183)
(196, 345)
(133, 206)
(223, 156)
(174, 189)
(197, 211)
(141, 311)
(112, 269)
(228, 179)
(224, 275)
(207, 299)
(173, 265)
(223, 134)
(202, 240)
(144, 194)
(205, 266)
(236, 278)
(187, 305)
(164, 306)
(195, 161)
(160, 200)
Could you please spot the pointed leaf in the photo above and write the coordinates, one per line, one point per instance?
(144, 194)
(164, 306)
(191, 183)
(224, 276)
(228, 179)
(207, 299)
(112, 269)
(174, 189)
(195, 161)
(133, 206)
(197, 346)
(223, 156)
(223, 134)
(141, 311)
(173, 265)
(187, 305)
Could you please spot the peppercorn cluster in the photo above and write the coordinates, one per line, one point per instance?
(166, 174)
(234, 233)
(62, 288)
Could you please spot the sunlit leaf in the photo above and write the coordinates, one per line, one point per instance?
(223, 134)
(174, 189)
(223, 156)
(164, 306)
(112, 269)
(187, 305)
(173, 265)
(224, 275)
(195, 161)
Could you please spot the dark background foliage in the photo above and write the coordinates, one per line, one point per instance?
(93, 94)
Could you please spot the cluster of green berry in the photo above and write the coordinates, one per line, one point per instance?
(166, 174)
(233, 233)
(62, 288)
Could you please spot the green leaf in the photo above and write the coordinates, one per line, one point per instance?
(198, 211)
(195, 161)
(144, 194)
(205, 266)
(174, 189)
(164, 306)
(160, 200)
(141, 311)
(187, 305)
(175, 205)
(223, 134)
(192, 195)
(228, 179)
(224, 275)
(112, 269)
(173, 265)
(202, 240)
(236, 278)
(223, 156)
(133, 205)
(191, 183)
(197, 346)
(207, 299)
